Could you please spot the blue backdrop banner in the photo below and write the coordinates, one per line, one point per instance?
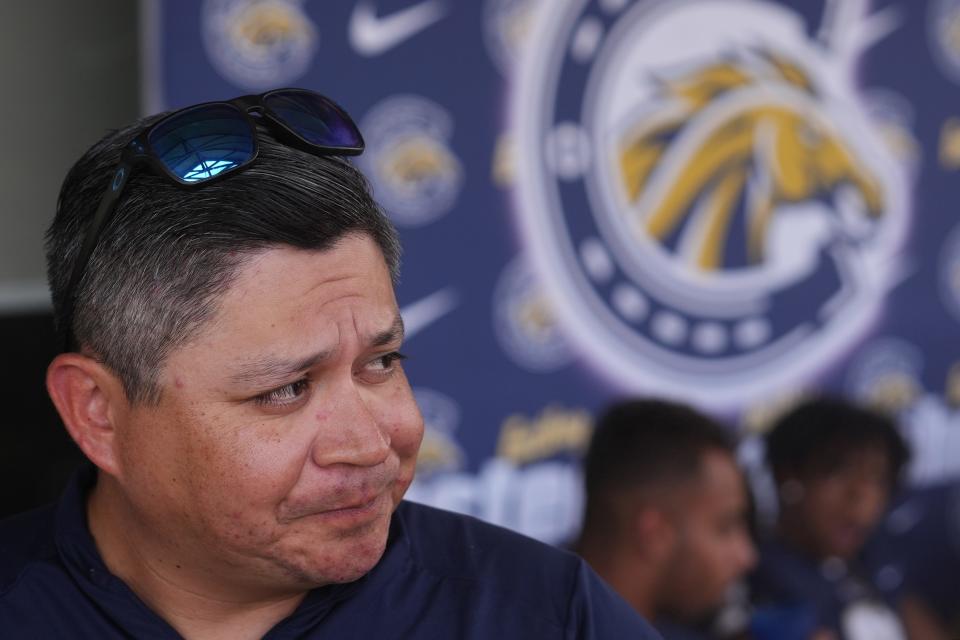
(731, 202)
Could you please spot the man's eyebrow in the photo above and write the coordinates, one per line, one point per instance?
(268, 369)
(395, 332)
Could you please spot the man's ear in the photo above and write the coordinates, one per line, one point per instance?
(89, 398)
(655, 532)
(791, 490)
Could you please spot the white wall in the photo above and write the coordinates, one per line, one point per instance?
(68, 73)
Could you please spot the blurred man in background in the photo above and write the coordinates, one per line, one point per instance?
(915, 557)
(666, 513)
(835, 466)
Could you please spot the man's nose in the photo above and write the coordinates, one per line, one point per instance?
(866, 500)
(348, 431)
(746, 554)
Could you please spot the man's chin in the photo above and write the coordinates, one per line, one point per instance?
(338, 561)
(692, 614)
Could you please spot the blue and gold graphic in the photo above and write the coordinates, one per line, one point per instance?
(257, 44)
(729, 201)
(798, 156)
(944, 29)
(525, 321)
(415, 173)
(748, 210)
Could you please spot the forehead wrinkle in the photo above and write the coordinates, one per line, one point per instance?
(391, 334)
(274, 368)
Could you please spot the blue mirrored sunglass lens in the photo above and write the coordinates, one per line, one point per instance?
(199, 143)
(314, 119)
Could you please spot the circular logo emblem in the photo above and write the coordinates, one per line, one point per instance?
(439, 450)
(525, 323)
(415, 174)
(714, 215)
(950, 272)
(258, 44)
(887, 372)
(943, 26)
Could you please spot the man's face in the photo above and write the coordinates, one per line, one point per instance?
(713, 547)
(839, 507)
(287, 431)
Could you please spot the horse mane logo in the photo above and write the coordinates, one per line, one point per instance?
(722, 147)
(720, 215)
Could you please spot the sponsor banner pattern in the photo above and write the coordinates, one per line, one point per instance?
(725, 201)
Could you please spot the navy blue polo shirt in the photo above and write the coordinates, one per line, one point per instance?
(916, 551)
(676, 631)
(795, 596)
(443, 575)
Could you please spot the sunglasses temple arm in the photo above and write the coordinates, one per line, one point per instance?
(108, 204)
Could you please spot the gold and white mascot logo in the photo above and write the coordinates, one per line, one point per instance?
(796, 148)
(703, 192)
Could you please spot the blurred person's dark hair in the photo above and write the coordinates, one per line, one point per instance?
(821, 434)
(644, 443)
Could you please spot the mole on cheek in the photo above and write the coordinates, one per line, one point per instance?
(177, 382)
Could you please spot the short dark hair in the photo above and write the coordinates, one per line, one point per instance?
(168, 254)
(820, 434)
(641, 443)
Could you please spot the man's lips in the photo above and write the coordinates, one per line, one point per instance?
(849, 535)
(356, 504)
(354, 514)
(363, 503)
(328, 491)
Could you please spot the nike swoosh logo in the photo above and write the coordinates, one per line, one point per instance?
(419, 315)
(371, 35)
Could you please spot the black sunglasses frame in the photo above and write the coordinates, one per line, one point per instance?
(139, 151)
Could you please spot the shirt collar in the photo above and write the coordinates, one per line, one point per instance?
(79, 555)
(83, 562)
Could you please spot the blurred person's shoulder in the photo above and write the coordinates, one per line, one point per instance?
(673, 631)
(783, 575)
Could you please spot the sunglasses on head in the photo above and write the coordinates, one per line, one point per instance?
(207, 142)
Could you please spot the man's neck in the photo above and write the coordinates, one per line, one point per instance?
(634, 585)
(168, 582)
(792, 533)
